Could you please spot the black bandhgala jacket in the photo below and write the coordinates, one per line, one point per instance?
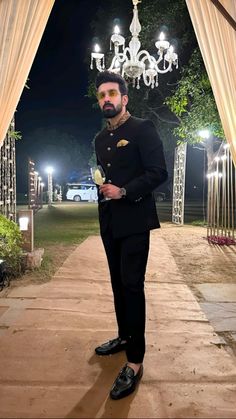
(132, 157)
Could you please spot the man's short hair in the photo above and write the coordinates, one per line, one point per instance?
(108, 76)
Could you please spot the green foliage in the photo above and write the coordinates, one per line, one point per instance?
(93, 159)
(16, 135)
(193, 103)
(92, 94)
(10, 245)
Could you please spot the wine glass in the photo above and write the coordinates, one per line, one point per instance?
(99, 177)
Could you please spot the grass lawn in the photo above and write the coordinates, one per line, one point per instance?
(58, 230)
(65, 223)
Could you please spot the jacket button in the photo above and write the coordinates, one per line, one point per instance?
(109, 181)
(109, 148)
(108, 164)
(111, 134)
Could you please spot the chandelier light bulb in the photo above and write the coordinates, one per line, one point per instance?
(171, 49)
(162, 36)
(96, 48)
(116, 30)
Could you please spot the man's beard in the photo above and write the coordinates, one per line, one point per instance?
(112, 111)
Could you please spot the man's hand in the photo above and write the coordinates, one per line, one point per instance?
(110, 191)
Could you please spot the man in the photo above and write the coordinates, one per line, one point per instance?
(131, 155)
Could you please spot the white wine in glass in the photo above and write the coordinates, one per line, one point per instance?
(99, 177)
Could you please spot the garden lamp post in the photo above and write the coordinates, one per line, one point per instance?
(41, 194)
(49, 171)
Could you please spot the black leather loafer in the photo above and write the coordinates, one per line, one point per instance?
(111, 347)
(126, 382)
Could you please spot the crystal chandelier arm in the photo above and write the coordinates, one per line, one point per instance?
(122, 56)
(147, 56)
(99, 61)
(113, 66)
(119, 58)
(147, 79)
(150, 75)
(152, 61)
(165, 70)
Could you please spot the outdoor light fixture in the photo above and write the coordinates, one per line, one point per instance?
(205, 133)
(49, 171)
(24, 223)
(41, 186)
(133, 62)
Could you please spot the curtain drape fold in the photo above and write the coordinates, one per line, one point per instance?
(217, 42)
(22, 23)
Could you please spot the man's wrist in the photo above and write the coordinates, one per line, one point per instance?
(122, 192)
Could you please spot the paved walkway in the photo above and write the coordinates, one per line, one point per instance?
(48, 333)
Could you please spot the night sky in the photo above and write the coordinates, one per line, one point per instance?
(58, 82)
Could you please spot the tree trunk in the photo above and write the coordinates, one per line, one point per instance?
(208, 144)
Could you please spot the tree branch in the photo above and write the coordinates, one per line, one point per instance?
(162, 119)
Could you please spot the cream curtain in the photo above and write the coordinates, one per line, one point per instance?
(22, 23)
(217, 42)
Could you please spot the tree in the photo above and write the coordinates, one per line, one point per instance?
(194, 107)
(59, 149)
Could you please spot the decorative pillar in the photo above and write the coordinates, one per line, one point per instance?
(179, 184)
(8, 175)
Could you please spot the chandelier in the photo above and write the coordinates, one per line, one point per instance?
(131, 61)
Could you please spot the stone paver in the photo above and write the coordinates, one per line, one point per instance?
(221, 315)
(218, 292)
(49, 331)
(220, 306)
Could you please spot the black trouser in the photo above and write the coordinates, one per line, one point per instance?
(127, 260)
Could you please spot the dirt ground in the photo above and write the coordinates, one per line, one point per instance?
(198, 261)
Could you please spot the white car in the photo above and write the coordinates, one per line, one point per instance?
(81, 192)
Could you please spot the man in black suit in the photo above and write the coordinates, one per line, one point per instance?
(131, 155)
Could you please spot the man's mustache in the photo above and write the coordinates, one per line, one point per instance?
(108, 105)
